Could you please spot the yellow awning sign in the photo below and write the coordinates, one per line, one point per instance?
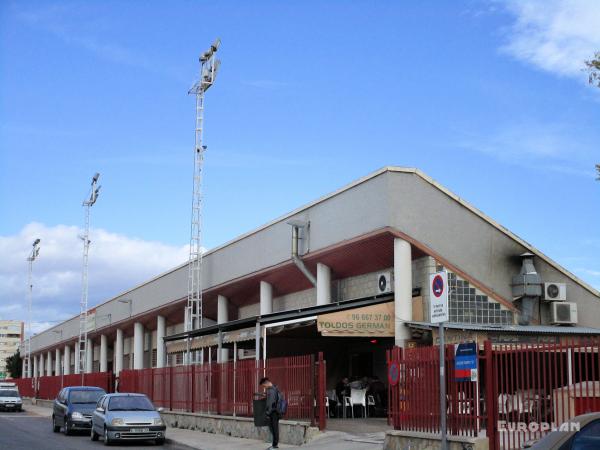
(375, 320)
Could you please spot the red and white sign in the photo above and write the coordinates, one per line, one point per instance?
(438, 297)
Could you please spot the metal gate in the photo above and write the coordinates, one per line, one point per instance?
(522, 392)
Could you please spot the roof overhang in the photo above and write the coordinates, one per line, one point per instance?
(283, 316)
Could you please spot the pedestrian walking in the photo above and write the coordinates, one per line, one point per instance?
(272, 411)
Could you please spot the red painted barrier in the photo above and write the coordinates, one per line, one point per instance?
(228, 388)
(522, 390)
(47, 387)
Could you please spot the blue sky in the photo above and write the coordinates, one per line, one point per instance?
(488, 98)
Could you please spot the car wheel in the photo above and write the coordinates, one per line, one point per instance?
(160, 441)
(67, 427)
(93, 434)
(106, 438)
(55, 428)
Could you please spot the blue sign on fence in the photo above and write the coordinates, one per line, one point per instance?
(465, 362)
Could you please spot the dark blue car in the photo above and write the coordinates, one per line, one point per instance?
(73, 408)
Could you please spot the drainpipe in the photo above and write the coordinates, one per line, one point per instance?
(297, 260)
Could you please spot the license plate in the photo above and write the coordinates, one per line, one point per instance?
(10, 406)
(140, 430)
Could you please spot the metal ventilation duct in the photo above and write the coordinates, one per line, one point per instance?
(526, 287)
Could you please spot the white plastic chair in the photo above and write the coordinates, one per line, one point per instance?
(358, 397)
(348, 403)
(370, 402)
(327, 405)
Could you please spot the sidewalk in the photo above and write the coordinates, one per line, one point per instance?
(331, 440)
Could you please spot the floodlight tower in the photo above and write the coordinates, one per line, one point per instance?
(82, 342)
(209, 65)
(35, 251)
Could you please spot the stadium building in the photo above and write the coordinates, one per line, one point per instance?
(348, 275)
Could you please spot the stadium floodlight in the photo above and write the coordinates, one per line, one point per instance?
(35, 251)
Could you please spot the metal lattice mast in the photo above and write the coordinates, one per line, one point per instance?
(32, 257)
(209, 66)
(82, 342)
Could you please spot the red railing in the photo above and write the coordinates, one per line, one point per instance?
(228, 388)
(522, 391)
(26, 386)
(539, 386)
(47, 387)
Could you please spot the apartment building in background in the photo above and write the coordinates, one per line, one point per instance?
(11, 335)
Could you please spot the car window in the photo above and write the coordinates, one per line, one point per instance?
(100, 400)
(130, 403)
(59, 395)
(87, 396)
(8, 393)
(105, 402)
(588, 438)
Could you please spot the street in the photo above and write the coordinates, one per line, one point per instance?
(27, 431)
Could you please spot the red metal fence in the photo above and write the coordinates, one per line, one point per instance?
(48, 386)
(522, 391)
(228, 388)
(540, 386)
(415, 400)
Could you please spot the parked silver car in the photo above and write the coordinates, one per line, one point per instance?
(127, 417)
(10, 400)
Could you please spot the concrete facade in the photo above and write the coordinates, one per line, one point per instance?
(418, 224)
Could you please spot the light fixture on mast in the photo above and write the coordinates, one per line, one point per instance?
(83, 328)
(209, 65)
(35, 251)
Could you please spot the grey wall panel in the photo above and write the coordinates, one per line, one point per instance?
(425, 213)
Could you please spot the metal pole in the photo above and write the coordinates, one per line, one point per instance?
(35, 251)
(82, 344)
(444, 443)
(208, 68)
(29, 302)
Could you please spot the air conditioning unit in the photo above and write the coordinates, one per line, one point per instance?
(563, 313)
(384, 283)
(555, 292)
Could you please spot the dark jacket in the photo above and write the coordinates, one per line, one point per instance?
(271, 399)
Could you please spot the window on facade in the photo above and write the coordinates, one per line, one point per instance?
(469, 305)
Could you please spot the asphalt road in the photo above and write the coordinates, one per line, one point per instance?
(27, 431)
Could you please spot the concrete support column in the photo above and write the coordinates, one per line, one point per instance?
(41, 367)
(76, 359)
(402, 290)
(138, 346)
(223, 317)
(67, 360)
(57, 357)
(323, 284)
(266, 298)
(49, 363)
(148, 345)
(89, 356)
(103, 353)
(118, 353)
(35, 366)
(161, 331)
(23, 368)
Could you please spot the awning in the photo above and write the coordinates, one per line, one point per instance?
(212, 340)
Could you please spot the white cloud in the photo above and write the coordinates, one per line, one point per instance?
(549, 147)
(117, 262)
(554, 35)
